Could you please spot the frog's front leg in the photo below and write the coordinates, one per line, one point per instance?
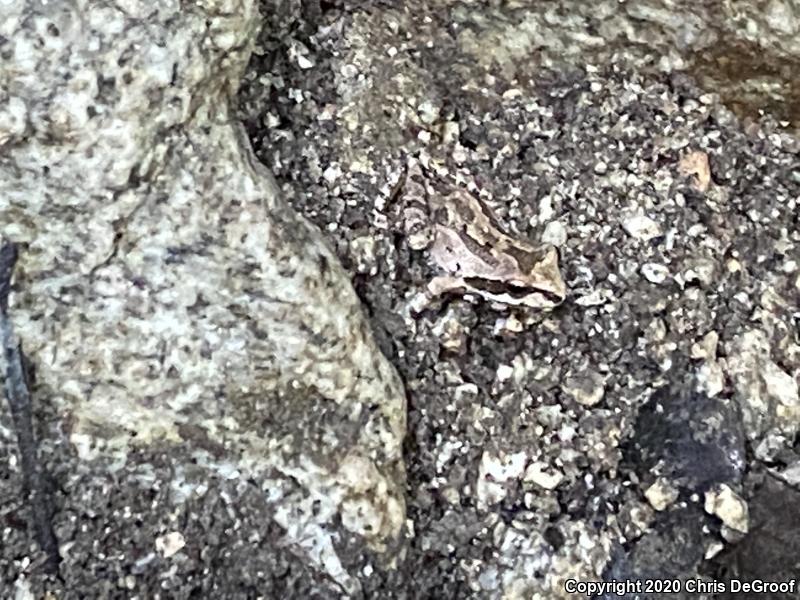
(437, 288)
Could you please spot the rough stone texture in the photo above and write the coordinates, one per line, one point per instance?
(770, 552)
(667, 266)
(766, 392)
(747, 51)
(170, 298)
(688, 439)
(693, 446)
(534, 438)
(672, 548)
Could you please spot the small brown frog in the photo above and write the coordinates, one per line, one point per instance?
(466, 241)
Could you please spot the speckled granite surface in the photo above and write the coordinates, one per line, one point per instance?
(644, 428)
(170, 297)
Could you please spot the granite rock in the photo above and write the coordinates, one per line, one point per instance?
(168, 295)
(576, 122)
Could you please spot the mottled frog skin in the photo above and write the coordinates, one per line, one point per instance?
(470, 247)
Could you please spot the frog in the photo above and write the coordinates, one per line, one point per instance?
(474, 253)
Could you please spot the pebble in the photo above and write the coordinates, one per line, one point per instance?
(555, 233)
(332, 173)
(661, 494)
(540, 474)
(587, 389)
(707, 347)
(170, 544)
(726, 504)
(655, 273)
(428, 112)
(641, 227)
